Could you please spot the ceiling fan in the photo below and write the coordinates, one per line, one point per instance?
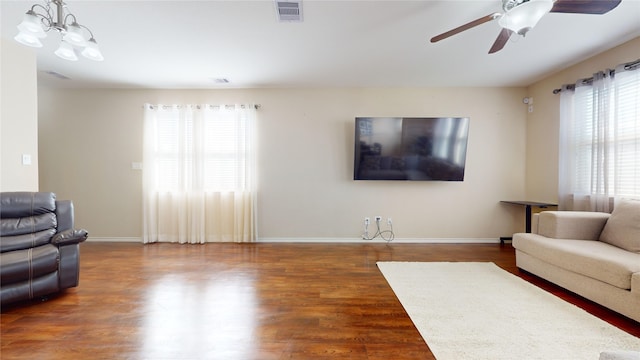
(520, 16)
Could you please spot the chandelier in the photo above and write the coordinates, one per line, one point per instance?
(42, 18)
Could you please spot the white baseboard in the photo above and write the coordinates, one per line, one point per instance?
(332, 240)
(379, 240)
(115, 239)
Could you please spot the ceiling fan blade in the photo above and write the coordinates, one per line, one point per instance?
(501, 41)
(466, 26)
(597, 7)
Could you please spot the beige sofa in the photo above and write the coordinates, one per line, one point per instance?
(595, 255)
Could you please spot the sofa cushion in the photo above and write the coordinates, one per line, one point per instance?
(23, 204)
(28, 264)
(27, 224)
(25, 241)
(579, 225)
(595, 259)
(623, 227)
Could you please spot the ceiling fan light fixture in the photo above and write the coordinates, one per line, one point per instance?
(525, 16)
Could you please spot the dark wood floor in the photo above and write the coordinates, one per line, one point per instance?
(239, 301)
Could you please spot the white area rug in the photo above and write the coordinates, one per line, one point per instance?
(479, 311)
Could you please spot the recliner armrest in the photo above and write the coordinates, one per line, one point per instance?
(71, 236)
(578, 225)
(64, 214)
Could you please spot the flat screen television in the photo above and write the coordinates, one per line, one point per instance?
(418, 149)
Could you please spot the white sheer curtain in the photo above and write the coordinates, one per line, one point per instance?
(199, 177)
(600, 140)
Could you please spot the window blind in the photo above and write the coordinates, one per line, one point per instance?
(606, 137)
(202, 148)
(627, 128)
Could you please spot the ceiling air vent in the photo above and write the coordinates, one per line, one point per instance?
(57, 75)
(220, 80)
(289, 11)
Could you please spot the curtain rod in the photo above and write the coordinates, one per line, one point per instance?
(255, 106)
(628, 66)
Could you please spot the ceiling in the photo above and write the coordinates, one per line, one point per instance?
(345, 43)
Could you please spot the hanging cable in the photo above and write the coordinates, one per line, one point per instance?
(386, 235)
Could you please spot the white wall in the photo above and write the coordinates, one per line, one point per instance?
(18, 117)
(88, 139)
(543, 124)
(306, 190)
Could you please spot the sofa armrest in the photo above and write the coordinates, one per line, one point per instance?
(579, 225)
(635, 283)
(64, 214)
(70, 236)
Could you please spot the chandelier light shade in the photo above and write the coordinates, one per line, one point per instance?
(29, 40)
(31, 25)
(523, 17)
(91, 50)
(66, 51)
(54, 15)
(74, 35)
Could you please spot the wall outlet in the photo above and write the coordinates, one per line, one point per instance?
(389, 222)
(378, 218)
(367, 221)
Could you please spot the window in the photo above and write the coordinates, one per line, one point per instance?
(600, 140)
(627, 128)
(202, 148)
(199, 173)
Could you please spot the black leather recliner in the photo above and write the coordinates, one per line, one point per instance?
(39, 247)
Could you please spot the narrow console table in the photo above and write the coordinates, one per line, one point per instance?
(528, 205)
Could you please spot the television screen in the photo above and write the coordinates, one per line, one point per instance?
(420, 149)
